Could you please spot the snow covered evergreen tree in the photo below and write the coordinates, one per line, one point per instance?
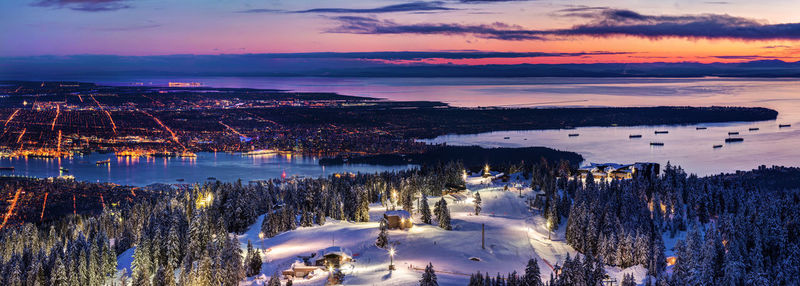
(477, 201)
(532, 276)
(252, 260)
(383, 239)
(628, 280)
(429, 277)
(425, 210)
(444, 215)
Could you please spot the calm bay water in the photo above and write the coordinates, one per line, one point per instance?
(144, 171)
(684, 145)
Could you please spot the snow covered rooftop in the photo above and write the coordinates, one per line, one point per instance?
(337, 250)
(398, 213)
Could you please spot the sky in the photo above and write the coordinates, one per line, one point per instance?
(536, 31)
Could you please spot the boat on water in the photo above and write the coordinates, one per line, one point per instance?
(656, 143)
(259, 152)
(10, 168)
(717, 146)
(784, 125)
(506, 138)
(574, 135)
(62, 169)
(733, 133)
(635, 136)
(662, 131)
(733, 139)
(700, 128)
(211, 179)
(103, 162)
(179, 180)
(754, 129)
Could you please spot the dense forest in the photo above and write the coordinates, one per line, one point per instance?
(737, 229)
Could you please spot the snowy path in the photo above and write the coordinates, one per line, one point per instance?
(513, 235)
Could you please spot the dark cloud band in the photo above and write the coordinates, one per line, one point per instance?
(603, 22)
(84, 5)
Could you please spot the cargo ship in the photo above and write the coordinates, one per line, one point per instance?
(734, 139)
(635, 136)
(662, 131)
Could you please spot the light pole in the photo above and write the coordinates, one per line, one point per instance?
(391, 258)
(261, 237)
(549, 224)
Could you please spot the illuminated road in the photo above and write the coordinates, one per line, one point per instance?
(58, 111)
(44, 204)
(11, 117)
(174, 137)
(113, 126)
(11, 208)
(233, 130)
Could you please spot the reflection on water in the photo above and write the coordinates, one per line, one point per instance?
(142, 171)
(684, 145)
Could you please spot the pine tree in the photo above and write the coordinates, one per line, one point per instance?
(160, 279)
(437, 208)
(383, 239)
(232, 262)
(274, 280)
(255, 263)
(429, 277)
(58, 276)
(532, 276)
(320, 216)
(444, 216)
(141, 261)
(173, 247)
(513, 279)
(425, 210)
(252, 260)
(362, 209)
(628, 280)
(477, 200)
(305, 219)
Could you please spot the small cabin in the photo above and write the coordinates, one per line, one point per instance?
(299, 270)
(399, 219)
(333, 256)
(608, 171)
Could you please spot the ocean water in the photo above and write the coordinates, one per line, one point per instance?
(227, 167)
(684, 145)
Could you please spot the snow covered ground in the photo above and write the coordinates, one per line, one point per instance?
(513, 235)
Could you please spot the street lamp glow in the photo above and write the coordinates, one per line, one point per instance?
(391, 258)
